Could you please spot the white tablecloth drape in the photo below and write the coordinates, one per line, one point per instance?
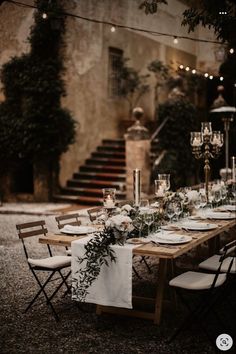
(113, 287)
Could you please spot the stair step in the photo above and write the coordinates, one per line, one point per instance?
(78, 199)
(100, 176)
(120, 142)
(93, 183)
(94, 192)
(108, 154)
(111, 148)
(106, 161)
(103, 168)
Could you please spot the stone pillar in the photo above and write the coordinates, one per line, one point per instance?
(137, 144)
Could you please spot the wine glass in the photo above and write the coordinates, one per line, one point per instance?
(202, 201)
(178, 208)
(170, 211)
(148, 219)
(138, 223)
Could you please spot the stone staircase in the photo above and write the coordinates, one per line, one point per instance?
(105, 168)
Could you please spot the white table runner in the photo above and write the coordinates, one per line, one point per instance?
(113, 287)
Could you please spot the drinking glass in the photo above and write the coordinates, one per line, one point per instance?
(178, 208)
(138, 223)
(170, 211)
(148, 219)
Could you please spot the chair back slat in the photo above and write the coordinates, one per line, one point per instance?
(33, 228)
(30, 224)
(68, 219)
(221, 260)
(42, 231)
(93, 213)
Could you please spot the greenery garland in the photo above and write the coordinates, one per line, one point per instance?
(97, 253)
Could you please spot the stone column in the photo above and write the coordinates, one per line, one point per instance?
(137, 144)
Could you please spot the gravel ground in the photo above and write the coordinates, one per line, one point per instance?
(79, 330)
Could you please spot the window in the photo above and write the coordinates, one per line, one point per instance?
(115, 59)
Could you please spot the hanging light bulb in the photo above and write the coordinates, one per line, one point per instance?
(175, 40)
(181, 66)
(211, 77)
(221, 78)
(194, 71)
(113, 29)
(44, 15)
(231, 50)
(187, 68)
(206, 74)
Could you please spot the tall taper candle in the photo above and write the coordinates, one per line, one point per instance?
(233, 161)
(137, 186)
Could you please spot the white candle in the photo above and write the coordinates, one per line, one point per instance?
(216, 141)
(233, 158)
(196, 142)
(109, 203)
(136, 186)
(160, 192)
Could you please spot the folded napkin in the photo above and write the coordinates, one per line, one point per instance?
(167, 236)
(113, 286)
(78, 229)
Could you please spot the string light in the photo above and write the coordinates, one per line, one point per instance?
(113, 29)
(116, 25)
(205, 74)
(175, 41)
(231, 50)
(44, 16)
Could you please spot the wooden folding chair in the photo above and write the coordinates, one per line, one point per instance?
(49, 265)
(94, 213)
(210, 288)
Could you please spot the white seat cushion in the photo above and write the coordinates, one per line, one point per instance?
(213, 263)
(51, 262)
(196, 280)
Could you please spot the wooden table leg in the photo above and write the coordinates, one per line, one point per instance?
(160, 289)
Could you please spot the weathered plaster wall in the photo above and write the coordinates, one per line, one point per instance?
(86, 61)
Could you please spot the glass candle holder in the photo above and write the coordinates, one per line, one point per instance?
(164, 181)
(109, 197)
(216, 138)
(196, 139)
(206, 128)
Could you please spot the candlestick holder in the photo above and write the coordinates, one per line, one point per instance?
(206, 145)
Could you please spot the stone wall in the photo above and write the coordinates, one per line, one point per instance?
(86, 62)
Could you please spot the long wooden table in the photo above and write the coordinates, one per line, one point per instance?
(163, 253)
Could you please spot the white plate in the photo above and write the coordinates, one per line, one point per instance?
(226, 208)
(184, 239)
(77, 230)
(221, 216)
(197, 226)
